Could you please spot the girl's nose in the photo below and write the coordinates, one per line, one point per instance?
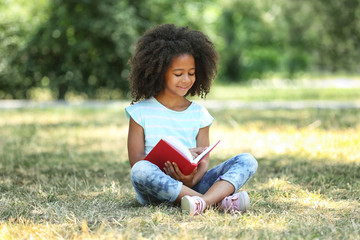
(186, 78)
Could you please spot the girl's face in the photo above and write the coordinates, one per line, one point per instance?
(180, 76)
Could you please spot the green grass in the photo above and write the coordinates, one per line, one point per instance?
(265, 93)
(64, 175)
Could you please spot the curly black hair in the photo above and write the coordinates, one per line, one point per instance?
(154, 53)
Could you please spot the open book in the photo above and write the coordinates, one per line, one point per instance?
(174, 151)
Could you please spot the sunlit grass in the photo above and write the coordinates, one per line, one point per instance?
(64, 175)
(340, 145)
(344, 89)
(246, 93)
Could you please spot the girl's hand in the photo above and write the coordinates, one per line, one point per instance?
(196, 151)
(173, 171)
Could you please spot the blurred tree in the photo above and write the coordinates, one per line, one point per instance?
(18, 18)
(338, 45)
(83, 47)
(288, 36)
(296, 22)
(250, 47)
(321, 35)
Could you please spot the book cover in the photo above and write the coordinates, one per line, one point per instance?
(176, 152)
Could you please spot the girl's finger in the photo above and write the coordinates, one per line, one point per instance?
(178, 172)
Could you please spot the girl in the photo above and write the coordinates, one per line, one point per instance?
(169, 64)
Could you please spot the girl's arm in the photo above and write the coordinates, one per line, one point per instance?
(135, 142)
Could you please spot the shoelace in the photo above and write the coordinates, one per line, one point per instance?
(200, 205)
(232, 203)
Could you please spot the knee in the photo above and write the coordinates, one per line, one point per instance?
(250, 161)
(139, 171)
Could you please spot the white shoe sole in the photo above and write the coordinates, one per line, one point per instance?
(187, 205)
(245, 201)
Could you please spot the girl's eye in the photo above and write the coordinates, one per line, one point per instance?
(180, 74)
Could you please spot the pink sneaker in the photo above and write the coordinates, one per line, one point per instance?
(192, 205)
(237, 202)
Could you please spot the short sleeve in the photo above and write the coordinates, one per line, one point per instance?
(206, 118)
(134, 112)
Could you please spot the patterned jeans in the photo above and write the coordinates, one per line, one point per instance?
(154, 186)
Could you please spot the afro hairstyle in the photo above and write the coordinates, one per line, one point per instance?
(154, 53)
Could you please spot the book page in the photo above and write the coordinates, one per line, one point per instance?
(206, 151)
(180, 147)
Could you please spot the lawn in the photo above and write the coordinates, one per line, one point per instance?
(64, 174)
(325, 89)
(245, 93)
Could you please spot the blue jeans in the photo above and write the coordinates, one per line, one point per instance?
(154, 186)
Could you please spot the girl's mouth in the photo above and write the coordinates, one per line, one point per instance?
(183, 88)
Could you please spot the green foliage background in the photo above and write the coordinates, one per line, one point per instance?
(82, 46)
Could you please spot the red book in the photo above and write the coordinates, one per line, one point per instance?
(174, 151)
